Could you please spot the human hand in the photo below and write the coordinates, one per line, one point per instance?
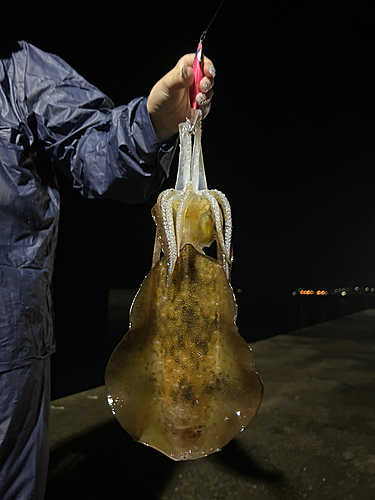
(169, 101)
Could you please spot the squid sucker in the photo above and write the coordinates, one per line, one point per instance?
(183, 380)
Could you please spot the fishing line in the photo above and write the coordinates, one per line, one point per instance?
(204, 34)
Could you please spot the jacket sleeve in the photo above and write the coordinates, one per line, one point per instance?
(108, 151)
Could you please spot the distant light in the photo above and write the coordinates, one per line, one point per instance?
(294, 293)
(367, 289)
(356, 288)
(343, 293)
(239, 290)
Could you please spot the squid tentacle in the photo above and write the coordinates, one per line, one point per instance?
(215, 209)
(185, 198)
(170, 246)
(157, 248)
(225, 205)
(161, 237)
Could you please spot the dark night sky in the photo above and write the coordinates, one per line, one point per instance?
(290, 138)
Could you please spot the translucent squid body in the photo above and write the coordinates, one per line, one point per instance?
(183, 380)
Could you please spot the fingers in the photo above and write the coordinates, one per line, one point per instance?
(188, 60)
(206, 84)
(185, 78)
(204, 99)
(208, 68)
(185, 65)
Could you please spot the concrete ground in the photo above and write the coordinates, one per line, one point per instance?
(313, 438)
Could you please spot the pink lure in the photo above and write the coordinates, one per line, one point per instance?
(198, 75)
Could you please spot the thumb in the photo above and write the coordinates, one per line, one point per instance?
(182, 75)
(187, 76)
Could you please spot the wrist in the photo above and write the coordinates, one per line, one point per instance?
(162, 132)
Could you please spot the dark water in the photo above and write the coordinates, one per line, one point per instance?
(273, 315)
(85, 343)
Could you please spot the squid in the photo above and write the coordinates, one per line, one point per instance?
(183, 380)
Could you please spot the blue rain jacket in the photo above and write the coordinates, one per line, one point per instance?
(52, 117)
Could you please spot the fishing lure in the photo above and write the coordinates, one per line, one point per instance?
(183, 380)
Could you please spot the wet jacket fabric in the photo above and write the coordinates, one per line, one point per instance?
(51, 117)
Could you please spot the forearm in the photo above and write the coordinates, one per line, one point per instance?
(122, 159)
